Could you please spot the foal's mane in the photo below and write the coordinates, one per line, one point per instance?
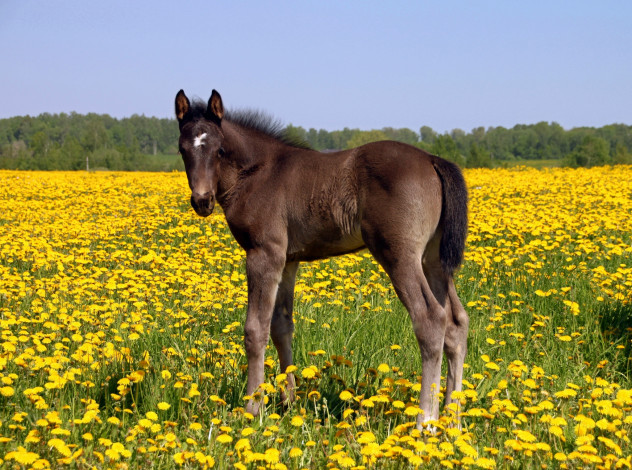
(256, 120)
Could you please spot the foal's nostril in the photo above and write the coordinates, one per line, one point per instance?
(203, 203)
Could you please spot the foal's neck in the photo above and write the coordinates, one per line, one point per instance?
(247, 151)
(248, 147)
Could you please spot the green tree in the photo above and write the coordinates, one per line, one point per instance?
(499, 143)
(445, 147)
(478, 157)
(73, 155)
(405, 135)
(593, 151)
(622, 156)
(365, 137)
(296, 134)
(94, 134)
(340, 138)
(427, 134)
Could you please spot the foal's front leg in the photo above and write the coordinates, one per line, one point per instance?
(282, 327)
(264, 268)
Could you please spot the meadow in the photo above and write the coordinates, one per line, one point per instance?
(122, 312)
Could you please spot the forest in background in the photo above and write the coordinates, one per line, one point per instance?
(139, 143)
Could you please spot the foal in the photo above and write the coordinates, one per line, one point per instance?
(285, 203)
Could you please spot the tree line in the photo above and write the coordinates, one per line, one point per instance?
(495, 146)
(72, 141)
(75, 141)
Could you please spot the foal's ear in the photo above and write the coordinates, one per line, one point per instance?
(182, 105)
(215, 109)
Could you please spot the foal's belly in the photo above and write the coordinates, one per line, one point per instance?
(326, 246)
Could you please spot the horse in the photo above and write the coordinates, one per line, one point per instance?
(286, 204)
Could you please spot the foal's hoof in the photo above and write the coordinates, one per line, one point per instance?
(427, 426)
(254, 404)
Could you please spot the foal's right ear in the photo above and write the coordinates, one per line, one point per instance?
(215, 108)
(182, 105)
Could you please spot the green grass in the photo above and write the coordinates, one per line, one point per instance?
(162, 162)
(538, 164)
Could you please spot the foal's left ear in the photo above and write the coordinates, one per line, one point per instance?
(215, 108)
(182, 105)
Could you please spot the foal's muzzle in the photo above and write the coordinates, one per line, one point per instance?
(203, 204)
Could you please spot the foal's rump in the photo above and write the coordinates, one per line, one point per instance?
(411, 195)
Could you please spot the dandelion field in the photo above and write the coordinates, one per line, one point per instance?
(122, 312)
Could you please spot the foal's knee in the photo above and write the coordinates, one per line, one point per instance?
(456, 332)
(255, 338)
(461, 318)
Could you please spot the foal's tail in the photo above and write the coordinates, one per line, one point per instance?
(453, 214)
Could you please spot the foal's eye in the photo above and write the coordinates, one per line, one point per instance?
(221, 152)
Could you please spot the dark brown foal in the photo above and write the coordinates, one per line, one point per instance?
(285, 203)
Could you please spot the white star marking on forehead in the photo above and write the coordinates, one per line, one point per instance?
(199, 140)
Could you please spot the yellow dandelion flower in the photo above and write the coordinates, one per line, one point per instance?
(345, 395)
(297, 421)
(193, 391)
(560, 457)
(247, 431)
(367, 403)
(360, 421)
(366, 437)
(485, 463)
(224, 439)
(525, 436)
(22, 456)
(309, 372)
(566, 393)
(60, 446)
(412, 411)
(242, 444)
(610, 444)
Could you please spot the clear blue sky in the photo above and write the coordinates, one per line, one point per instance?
(325, 64)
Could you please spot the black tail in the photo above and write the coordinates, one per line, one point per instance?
(453, 214)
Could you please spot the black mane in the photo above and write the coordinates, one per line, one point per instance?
(257, 120)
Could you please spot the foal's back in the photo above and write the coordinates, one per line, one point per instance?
(329, 197)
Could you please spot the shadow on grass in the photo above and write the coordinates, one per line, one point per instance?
(615, 322)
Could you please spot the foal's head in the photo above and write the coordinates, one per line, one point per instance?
(200, 145)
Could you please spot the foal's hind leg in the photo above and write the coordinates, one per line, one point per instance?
(282, 326)
(455, 343)
(428, 318)
(457, 320)
(429, 324)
